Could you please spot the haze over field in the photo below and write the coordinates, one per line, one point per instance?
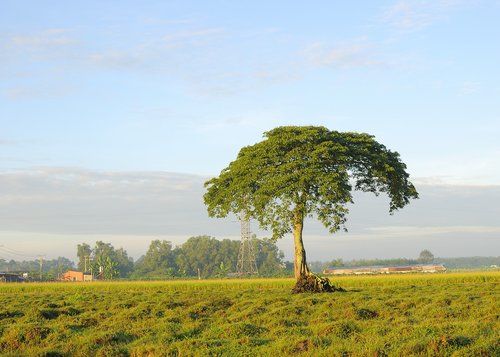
(112, 115)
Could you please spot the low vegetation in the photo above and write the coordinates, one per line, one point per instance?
(421, 315)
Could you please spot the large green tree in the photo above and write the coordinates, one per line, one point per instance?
(159, 261)
(297, 172)
(104, 260)
(204, 255)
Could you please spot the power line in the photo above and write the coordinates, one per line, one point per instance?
(14, 252)
(14, 255)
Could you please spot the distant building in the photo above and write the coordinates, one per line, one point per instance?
(73, 275)
(11, 278)
(422, 268)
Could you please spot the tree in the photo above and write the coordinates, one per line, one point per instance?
(205, 254)
(118, 264)
(269, 258)
(83, 252)
(124, 263)
(159, 261)
(56, 267)
(304, 171)
(110, 268)
(426, 257)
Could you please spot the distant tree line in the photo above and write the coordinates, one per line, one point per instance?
(470, 262)
(201, 256)
(206, 257)
(425, 257)
(51, 268)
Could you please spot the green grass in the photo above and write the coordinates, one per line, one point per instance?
(397, 315)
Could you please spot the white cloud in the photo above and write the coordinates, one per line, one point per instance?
(191, 54)
(21, 50)
(355, 54)
(53, 209)
(154, 54)
(470, 87)
(153, 20)
(118, 59)
(41, 91)
(191, 37)
(419, 231)
(475, 167)
(75, 201)
(414, 15)
(45, 38)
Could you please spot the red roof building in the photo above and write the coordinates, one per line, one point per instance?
(72, 275)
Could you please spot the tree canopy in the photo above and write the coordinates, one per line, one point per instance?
(306, 171)
(204, 256)
(104, 259)
(426, 257)
(310, 166)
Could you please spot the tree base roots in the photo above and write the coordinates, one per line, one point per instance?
(315, 284)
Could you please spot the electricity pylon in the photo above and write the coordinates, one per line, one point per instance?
(247, 263)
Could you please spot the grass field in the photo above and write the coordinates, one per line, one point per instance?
(398, 315)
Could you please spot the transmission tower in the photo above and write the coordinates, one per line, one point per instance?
(247, 263)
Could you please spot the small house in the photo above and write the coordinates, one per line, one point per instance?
(73, 275)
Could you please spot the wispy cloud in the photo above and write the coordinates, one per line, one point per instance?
(470, 87)
(345, 56)
(40, 53)
(188, 52)
(191, 37)
(59, 44)
(51, 210)
(118, 60)
(72, 200)
(414, 15)
(79, 205)
(153, 20)
(477, 166)
(45, 38)
(41, 91)
(418, 231)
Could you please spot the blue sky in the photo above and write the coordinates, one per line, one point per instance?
(102, 90)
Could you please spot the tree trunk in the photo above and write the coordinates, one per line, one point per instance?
(306, 280)
(300, 264)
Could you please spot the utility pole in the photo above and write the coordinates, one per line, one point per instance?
(41, 266)
(85, 259)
